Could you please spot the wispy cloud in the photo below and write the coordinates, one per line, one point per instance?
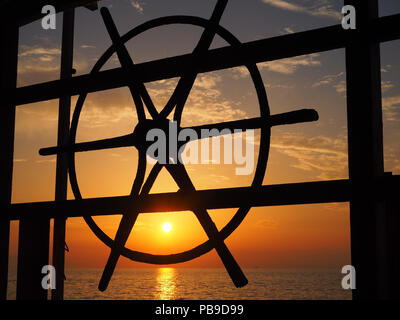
(137, 5)
(278, 86)
(291, 65)
(327, 156)
(283, 66)
(327, 80)
(16, 160)
(391, 108)
(284, 5)
(337, 81)
(267, 223)
(86, 46)
(206, 103)
(287, 30)
(37, 69)
(42, 63)
(37, 50)
(38, 59)
(387, 85)
(321, 8)
(36, 63)
(386, 68)
(334, 80)
(392, 158)
(340, 87)
(52, 160)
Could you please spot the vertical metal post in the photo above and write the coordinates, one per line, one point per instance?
(365, 151)
(393, 244)
(62, 165)
(8, 81)
(33, 254)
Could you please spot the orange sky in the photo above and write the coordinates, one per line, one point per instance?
(312, 236)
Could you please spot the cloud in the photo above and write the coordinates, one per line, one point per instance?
(283, 66)
(115, 109)
(387, 85)
(392, 158)
(52, 160)
(38, 51)
(95, 116)
(336, 207)
(205, 103)
(290, 65)
(25, 68)
(110, 109)
(42, 63)
(18, 160)
(137, 5)
(38, 63)
(86, 46)
(287, 30)
(327, 156)
(218, 178)
(38, 59)
(278, 86)
(320, 8)
(334, 80)
(267, 223)
(386, 68)
(391, 108)
(240, 72)
(284, 5)
(328, 79)
(341, 87)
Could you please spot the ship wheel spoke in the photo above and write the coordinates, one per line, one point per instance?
(110, 143)
(181, 177)
(299, 116)
(124, 229)
(138, 139)
(185, 84)
(136, 87)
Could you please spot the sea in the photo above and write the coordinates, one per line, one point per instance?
(200, 284)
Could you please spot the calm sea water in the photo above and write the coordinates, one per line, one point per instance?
(201, 284)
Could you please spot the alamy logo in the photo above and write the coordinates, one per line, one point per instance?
(349, 18)
(349, 280)
(49, 280)
(49, 20)
(171, 145)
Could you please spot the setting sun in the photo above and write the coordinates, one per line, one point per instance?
(167, 227)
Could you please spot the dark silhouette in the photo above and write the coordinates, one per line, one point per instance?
(368, 188)
(177, 171)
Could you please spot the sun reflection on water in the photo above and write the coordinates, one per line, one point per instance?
(166, 284)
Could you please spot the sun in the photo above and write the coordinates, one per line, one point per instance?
(167, 227)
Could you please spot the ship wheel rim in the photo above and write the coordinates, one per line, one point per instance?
(265, 135)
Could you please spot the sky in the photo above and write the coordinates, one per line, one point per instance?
(306, 236)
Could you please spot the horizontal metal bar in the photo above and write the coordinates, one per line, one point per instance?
(138, 139)
(273, 195)
(286, 46)
(292, 117)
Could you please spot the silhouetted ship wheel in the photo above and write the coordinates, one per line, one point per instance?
(137, 139)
